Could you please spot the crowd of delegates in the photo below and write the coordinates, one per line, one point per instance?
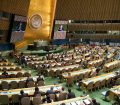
(100, 52)
(48, 99)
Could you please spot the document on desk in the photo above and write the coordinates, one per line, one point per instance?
(4, 93)
(73, 103)
(27, 91)
(55, 88)
(86, 101)
(80, 102)
(67, 104)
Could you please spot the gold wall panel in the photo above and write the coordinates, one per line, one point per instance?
(45, 8)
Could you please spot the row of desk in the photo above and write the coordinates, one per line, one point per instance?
(115, 91)
(6, 64)
(17, 79)
(111, 65)
(13, 72)
(77, 73)
(85, 100)
(100, 78)
(30, 91)
(95, 63)
(64, 68)
(10, 68)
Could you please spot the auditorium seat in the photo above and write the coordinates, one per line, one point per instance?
(13, 85)
(90, 86)
(31, 84)
(97, 85)
(117, 82)
(15, 99)
(25, 101)
(4, 100)
(103, 83)
(19, 74)
(12, 76)
(37, 100)
(5, 85)
(62, 96)
(70, 81)
(26, 74)
(40, 83)
(21, 84)
(53, 97)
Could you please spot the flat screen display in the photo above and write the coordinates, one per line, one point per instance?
(18, 29)
(60, 29)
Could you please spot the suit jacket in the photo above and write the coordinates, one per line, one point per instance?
(50, 92)
(71, 95)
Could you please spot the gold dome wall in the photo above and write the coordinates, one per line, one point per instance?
(44, 8)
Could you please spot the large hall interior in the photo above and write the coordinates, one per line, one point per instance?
(59, 52)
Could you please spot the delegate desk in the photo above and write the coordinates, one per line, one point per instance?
(115, 91)
(30, 91)
(17, 79)
(85, 100)
(13, 72)
(10, 68)
(64, 68)
(36, 63)
(32, 59)
(77, 73)
(6, 64)
(110, 56)
(95, 63)
(87, 54)
(100, 78)
(111, 65)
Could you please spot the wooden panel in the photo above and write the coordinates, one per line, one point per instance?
(98, 27)
(88, 9)
(103, 36)
(4, 24)
(19, 7)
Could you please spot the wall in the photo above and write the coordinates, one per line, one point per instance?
(88, 9)
(45, 8)
(19, 7)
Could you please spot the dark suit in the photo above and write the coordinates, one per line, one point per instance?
(71, 95)
(50, 92)
(37, 93)
(23, 95)
(40, 79)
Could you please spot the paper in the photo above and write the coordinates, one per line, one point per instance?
(73, 103)
(87, 101)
